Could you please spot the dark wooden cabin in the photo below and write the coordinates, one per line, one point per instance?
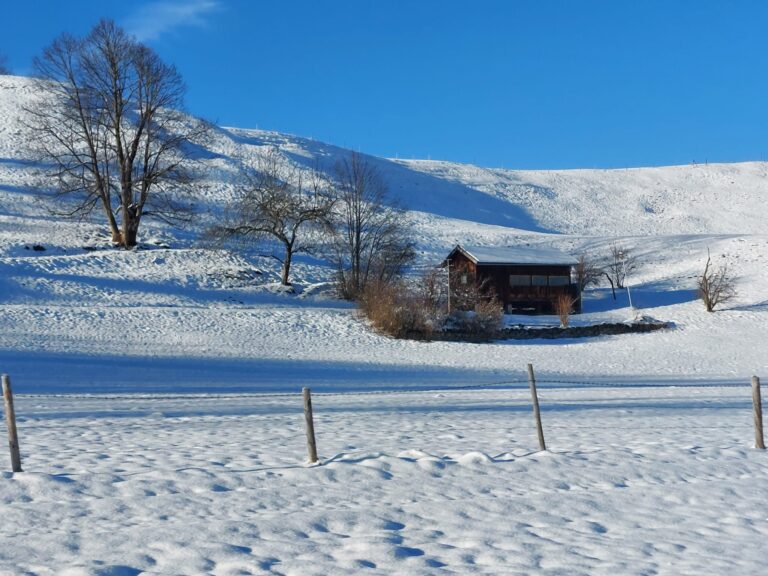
(525, 279)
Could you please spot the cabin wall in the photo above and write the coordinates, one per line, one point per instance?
(460, 263)
(531, 298)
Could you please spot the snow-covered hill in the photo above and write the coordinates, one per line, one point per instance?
(650, 472)
(668, 216)
(693, 199)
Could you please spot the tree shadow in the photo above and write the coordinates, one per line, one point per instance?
(755, 307)
(13, 287)
(418, 190)
(44, 372)
(22, 162)
(652, 295)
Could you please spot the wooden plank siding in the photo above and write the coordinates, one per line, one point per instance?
(518, 299)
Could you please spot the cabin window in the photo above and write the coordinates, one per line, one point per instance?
(463, 279)
(559, 280)
(519, 280)
(538, 280)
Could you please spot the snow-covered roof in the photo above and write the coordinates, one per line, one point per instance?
(530, 255)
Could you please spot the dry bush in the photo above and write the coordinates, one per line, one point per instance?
(420, 309)
(716, 286)
(433, 289)
(563, 305)
(475, 310)
(466, 291)
(395, 310)
(433, 293)
(483, 321)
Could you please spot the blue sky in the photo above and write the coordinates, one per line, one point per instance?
(516, 84)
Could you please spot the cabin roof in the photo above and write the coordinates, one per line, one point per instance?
(520, 255)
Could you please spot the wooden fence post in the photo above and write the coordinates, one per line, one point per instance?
(536, 411)
(757, 404)
(310, 425)
(10, 421)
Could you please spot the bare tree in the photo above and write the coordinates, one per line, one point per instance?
(610, 281)
(716, 286)
(587, 272)
(620, 263)
(4, 68)
(111, 128)
(280, 202)
(371, 242)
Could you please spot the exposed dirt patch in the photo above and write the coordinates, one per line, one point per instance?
(583, 331)
(551, 333)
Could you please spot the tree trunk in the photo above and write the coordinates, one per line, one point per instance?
(131, 217)
(613, 290)
(117, 236)
(286, 269)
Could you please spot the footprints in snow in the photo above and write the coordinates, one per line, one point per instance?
(368, 545)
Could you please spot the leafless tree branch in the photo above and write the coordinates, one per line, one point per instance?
(716, 286)
(280, 202)
(621, 261)
(371, 242)
(587, 272)
(111, 128)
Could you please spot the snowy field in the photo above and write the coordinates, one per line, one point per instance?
(637, 481)
(158, 391)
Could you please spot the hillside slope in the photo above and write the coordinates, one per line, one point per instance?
(695, 199)
(158, 391)
(185, 309)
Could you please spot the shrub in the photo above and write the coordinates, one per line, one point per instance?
(563, 305)
(420, 309)
(716, 286)
(395, 310)
(484, 321)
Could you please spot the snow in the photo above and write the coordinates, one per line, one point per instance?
(637, 481)
(158, 390)
(517, 255)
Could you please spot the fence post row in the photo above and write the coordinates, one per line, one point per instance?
(757, 404)
(310, 425)
(13, 438)
(10, 421)
(536, 411)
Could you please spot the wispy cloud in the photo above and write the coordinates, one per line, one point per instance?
(153, 20)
